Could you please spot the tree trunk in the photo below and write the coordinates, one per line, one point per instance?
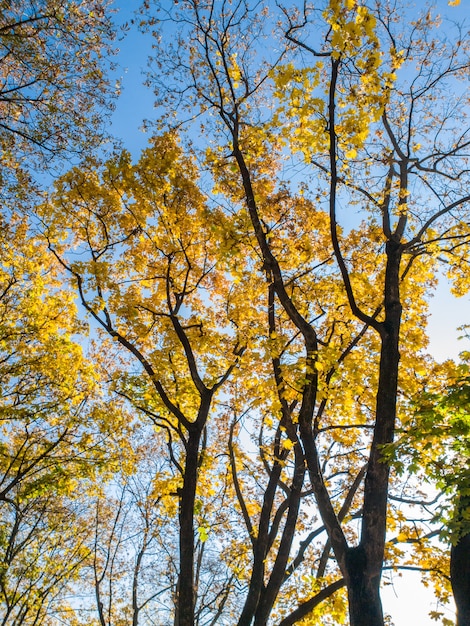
(260, 551)
(460, 566)
(364, 563)
(270, 592)
(184, 613)
(460, 579)
(365, 606)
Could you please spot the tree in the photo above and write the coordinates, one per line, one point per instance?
(324, 361)
(371, 140)
(57, 433)
(173, 298)
(436, 440)
(53, 85)
(142, 272)
(54, 94)
(42, 551)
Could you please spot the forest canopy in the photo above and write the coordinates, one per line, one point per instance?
(218, 402)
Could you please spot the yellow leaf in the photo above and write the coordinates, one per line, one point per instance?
(288, 444)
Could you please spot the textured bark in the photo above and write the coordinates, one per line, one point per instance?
(184, 614)
(460, 578)
(365, 606)
(460, 562)
(364, 563)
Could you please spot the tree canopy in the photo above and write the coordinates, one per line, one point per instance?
(258, 433)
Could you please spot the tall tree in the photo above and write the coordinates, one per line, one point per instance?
(57, 432)
(150, 278)
(365, 102)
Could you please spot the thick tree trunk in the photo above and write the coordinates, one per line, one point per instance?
(364, 563)
(365, 606)
(460, 576)
(184, 614)
(460, 579)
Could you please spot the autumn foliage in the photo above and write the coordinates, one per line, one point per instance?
(240, 423)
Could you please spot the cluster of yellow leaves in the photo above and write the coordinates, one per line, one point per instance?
(301, 114)
(49, 390)
(303, 93)
(152, 251)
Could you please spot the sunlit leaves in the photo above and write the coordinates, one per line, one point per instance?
(261, 299)
(351, 39)
(58, 435)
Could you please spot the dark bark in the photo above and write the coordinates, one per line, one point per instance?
(270, 592)
(307, 607)
(365, 607)
(260, 550)
(460, 579)
(364, 563)
(184, 614)
(460, 566)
